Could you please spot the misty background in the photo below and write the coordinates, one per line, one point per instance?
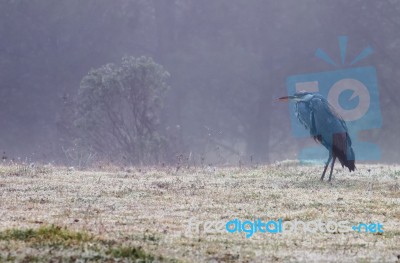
(227, 61)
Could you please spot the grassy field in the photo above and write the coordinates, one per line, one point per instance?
(142, 215)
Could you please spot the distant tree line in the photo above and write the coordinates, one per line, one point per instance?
(227, 60)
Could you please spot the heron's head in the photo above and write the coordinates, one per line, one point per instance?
(298, 96)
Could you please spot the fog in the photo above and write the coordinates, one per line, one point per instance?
(227, 60)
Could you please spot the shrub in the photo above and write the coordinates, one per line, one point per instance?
(118, 109)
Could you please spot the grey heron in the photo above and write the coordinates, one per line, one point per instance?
(325, 126)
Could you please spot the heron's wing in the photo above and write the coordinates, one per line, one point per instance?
(325, 116)
(332, 128)
(337, 115)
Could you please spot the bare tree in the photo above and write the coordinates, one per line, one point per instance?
(118, 110)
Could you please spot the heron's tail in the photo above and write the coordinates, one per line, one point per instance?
(349, 164)
(343, 151)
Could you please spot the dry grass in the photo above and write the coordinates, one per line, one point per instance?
(132, 214)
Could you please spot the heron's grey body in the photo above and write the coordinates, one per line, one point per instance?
(326, 127)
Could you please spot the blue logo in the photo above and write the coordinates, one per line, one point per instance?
(352, 91)
(249, 228)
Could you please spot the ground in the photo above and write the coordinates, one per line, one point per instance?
(142, 214)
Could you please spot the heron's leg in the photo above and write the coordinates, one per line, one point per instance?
(333, 163)
(326, 166)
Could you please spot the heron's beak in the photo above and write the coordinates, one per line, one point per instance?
(285, 98)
